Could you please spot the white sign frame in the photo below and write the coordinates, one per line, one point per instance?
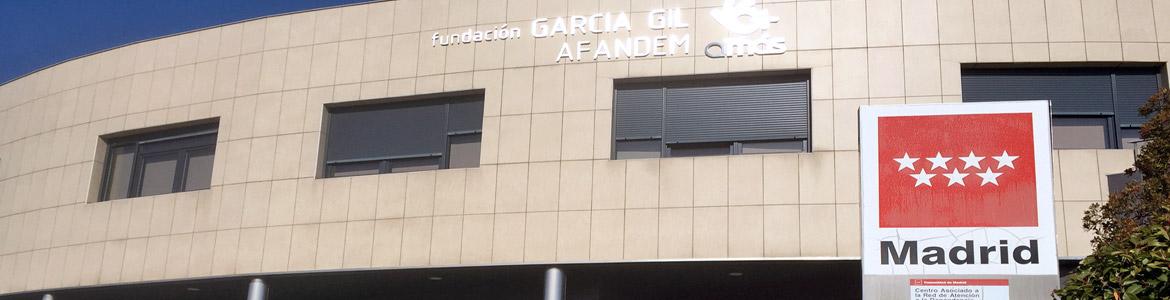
(1044, 232)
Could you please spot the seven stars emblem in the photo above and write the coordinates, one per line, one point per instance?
(956, 175)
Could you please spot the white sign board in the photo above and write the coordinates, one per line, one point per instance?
(958, 289)
(956, 189)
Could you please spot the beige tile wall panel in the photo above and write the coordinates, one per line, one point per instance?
(546, 189)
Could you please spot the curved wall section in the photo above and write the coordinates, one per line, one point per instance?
(547, 189)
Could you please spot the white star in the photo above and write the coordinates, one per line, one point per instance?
(1005, 160)
(989, 176)
(922, 178)
(971, 160)
(956, 177)
(938, 161)
(906, 162)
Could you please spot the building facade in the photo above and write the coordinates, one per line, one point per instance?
(256, 127)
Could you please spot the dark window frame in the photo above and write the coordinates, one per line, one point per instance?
(184, 140)
(735, 147)
(327, 167)
(1115, 126)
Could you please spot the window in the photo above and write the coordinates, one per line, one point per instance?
(699, 116)
(1080, 132)
(1092, 107)
(1130, 137)
(404, 136)
(161, 162)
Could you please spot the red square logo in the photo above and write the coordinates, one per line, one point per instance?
(971, 170)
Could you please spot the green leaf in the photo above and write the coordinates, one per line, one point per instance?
(1131, 257)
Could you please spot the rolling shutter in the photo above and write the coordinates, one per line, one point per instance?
(386, 131)
(1072, 91)
(1116, 91)
(1134, 87)
(702, 112)
(638, 113)
(465, 116)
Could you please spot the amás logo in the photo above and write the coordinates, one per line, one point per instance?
(742, 18)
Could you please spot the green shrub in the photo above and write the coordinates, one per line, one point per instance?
(1131, 256)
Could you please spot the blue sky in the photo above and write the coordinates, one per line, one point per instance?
(38, 33)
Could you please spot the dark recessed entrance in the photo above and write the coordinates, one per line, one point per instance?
(796, 279)
(772, 279)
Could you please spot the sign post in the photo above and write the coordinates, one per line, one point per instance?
(957, 201)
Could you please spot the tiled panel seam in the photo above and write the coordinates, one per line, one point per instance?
(221, 184)
(487, 213)
(173, 235)
(263, 50)
(266, 19)
(236, 95)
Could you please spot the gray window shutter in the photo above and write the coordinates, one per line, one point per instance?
(387, 131)
(1134, 87)
(465, 116)
(1072, 91)
(638, 112)
(707, 111)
